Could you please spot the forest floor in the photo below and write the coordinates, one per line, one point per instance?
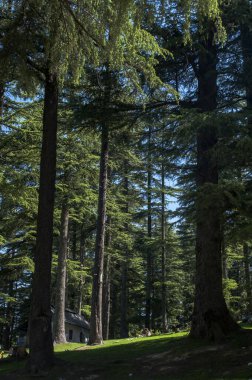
(166, 357)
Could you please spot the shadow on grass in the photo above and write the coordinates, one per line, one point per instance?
(126, 350)
(151, 358)
(114, 359)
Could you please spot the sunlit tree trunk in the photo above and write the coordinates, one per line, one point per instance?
(59, 316)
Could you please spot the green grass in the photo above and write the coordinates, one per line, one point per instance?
(164, 357)
(67, 347)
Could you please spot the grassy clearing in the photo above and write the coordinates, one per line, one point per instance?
(164, 357)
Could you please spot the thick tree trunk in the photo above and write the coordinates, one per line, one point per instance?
(211, 318)
(124, 327)
(41, 343)
(96, 306)
(149, 289)
(163, 226)
(59, 316)
(106, 285)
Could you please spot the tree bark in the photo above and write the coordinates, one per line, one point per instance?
(106, 285)
(96, 336)
(74, 240)
(115, 302)
(82, 257)
(149, 289)
(211, 318)
(124, 327)
(59, 316)
(41, 343)
(163, 226)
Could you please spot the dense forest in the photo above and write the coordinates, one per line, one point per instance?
(125, 168)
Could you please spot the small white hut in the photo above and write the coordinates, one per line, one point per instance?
(76, 327)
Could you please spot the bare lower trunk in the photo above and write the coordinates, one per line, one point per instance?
(82, 257)
(59, 316)
(124, 328)
(96, 306)
(211, 318)
(106, 286)
(115, 302)
(148, 305)
(41, 343)
(163, 225)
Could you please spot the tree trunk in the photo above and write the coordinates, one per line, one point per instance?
(124, 328)
(163, 226)
(106, 285)
(211, 318)
(115, 302)
(82, 257)
(148, 305)
(41, 343)
(96, 305)
(59, 316)
(74, 240)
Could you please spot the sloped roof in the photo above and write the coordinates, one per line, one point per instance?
(75, 319)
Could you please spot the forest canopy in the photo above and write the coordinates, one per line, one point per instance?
(125, 169)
